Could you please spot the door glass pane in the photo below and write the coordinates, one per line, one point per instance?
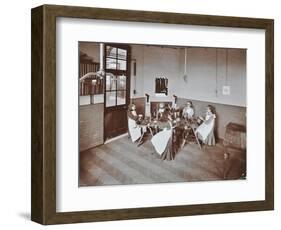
(122, 65)
(121, 82)
(110, 82)
(111, 51)
(122, 54)
(110, 99)
(121, 97)
(110, 63)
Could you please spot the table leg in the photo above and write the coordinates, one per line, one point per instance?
(197, 140)
(139, 142)
(150, 131)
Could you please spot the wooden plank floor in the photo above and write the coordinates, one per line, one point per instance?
(122, 162)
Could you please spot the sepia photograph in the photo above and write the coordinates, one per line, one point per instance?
(151, 113)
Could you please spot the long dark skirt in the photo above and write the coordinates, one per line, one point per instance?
(168, 154)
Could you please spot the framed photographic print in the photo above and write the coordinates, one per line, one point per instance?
(140, 114)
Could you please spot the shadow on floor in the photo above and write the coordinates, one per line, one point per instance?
(25, 215)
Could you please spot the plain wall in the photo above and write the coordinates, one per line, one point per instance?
(153, 62)
(206, 76)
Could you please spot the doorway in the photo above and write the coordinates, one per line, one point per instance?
(117, 89)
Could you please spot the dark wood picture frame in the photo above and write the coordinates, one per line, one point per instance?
(43, 189)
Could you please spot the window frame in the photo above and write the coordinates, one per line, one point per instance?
(117, 72)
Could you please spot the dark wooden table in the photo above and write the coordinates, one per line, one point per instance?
(183, 129)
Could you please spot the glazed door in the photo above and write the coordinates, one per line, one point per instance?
(117, 89)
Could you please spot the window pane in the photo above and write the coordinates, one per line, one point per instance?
(121, 82)
(111, 51)
(122, 54)
(110, 82)
(110, 63)
(122, 65)
(110, 99)
(121, 97)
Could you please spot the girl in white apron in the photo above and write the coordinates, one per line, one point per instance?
(205, 132)
(162, 141)
(188, 111)
(134, 130)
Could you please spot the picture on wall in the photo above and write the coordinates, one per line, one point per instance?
(161, 114)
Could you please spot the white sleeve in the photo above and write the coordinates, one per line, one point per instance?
(192, 112)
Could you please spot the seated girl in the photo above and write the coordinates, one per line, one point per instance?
(161, 110)
(188, 111)
(132, 112)
(164, 121)
(134, 130)
(205, 132)
(162, 141)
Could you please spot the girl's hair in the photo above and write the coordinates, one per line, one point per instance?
(212, 109)
(131, 107)
(190, 102)
(161, 105)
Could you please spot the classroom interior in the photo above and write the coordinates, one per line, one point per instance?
(112, 77)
